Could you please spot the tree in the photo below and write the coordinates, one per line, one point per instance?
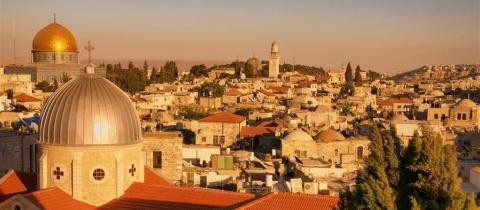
(349, 73)
(422, 176)
(153, 76)
(44, 86)
(199, 70)
(169, 72)
(65, 78)
(211, 89)
(348, 89)
(9, 94)
(358, 77)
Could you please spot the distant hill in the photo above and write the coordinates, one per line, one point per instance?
(439, 73)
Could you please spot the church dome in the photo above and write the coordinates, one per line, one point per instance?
(89, 110)
(298, 135)
(466, 103)
(54, 37)
(437, 93)
(329, 135)
(255, 62)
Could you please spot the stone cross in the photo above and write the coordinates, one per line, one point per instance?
(89, 48)
(132, 170)
(58, 173)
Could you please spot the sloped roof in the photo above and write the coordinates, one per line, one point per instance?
(255, 131)
(293, 201)
(391, 101)
(233, 92)
(54, 198)
(150, 177)
(144, 196)
(226, 117)
(267, 93)
(15, 182)
(22, 97)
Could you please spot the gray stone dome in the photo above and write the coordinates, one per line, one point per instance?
(89, 110)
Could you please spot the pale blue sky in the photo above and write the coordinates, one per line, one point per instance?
(377, 34)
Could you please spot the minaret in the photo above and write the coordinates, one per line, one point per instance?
(274, 61)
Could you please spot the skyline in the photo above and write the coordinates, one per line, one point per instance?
(385, 37)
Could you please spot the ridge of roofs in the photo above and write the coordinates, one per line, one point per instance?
(144, 196)
(267, 93)
(293, 201)
(151, 177)
(15, 182)
(22, 97)
(247, 131)
(223, 117)
(55, 198)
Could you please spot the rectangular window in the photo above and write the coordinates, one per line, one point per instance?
(435, 116)
(459, 116)
(215, 140)
(204, 139)
(222, 140)
(304, 154)
(157, 159)
(190, 177)
(464, 116)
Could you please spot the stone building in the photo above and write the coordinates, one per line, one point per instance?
(163, 152)
(464, 114)
(299, 144)
(54, 56)
(220, 129)
(17, 151)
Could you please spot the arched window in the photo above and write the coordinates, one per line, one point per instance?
(360, 153)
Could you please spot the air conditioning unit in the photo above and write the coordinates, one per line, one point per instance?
(310, 187)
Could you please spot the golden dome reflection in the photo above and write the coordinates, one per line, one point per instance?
(54, 37)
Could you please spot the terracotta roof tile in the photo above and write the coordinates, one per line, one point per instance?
(233, 92)
(144, 196)
(279, 88)
(22, 97)
(151, 177)
(54, 198)
(226, 117)
(293, 201)
(15, 182)
(391, 101)
(255, 131)
(267, 93)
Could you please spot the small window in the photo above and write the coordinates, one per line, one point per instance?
(98, 174)
(204, 139)
(157, 159)
(190, 177)
(435, 116)
(215, 140)
(459, 116)
(222, 140)
(336, 152)
(359, 153)
(17, 207)
(464, 116)
(304, 154)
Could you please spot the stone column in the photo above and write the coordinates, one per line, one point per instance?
(120, 175)
(43, 168)
(77, 175)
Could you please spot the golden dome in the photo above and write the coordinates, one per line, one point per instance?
(54, 37)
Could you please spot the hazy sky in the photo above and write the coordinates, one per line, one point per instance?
(377, 34)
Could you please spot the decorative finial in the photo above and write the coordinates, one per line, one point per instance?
(54, 17)
(89, 48)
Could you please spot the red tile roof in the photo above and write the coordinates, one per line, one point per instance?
(15, 182)
(54, 198)
(225, 117)
(144, 196)
(266, 93)
(233, 92)
(293, 201)
(279, 88)
(391, 101)
(255, 131)
(151, 177)
(25, 98)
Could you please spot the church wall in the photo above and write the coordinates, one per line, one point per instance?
(78, 164)
(290, 147)
(335, 149)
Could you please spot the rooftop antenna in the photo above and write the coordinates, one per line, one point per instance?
(89, 48)
(14, 43)
(293, 61)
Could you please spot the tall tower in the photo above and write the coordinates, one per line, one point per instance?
(274, 61)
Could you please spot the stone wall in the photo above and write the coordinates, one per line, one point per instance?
(17, 152)
(170, 144)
